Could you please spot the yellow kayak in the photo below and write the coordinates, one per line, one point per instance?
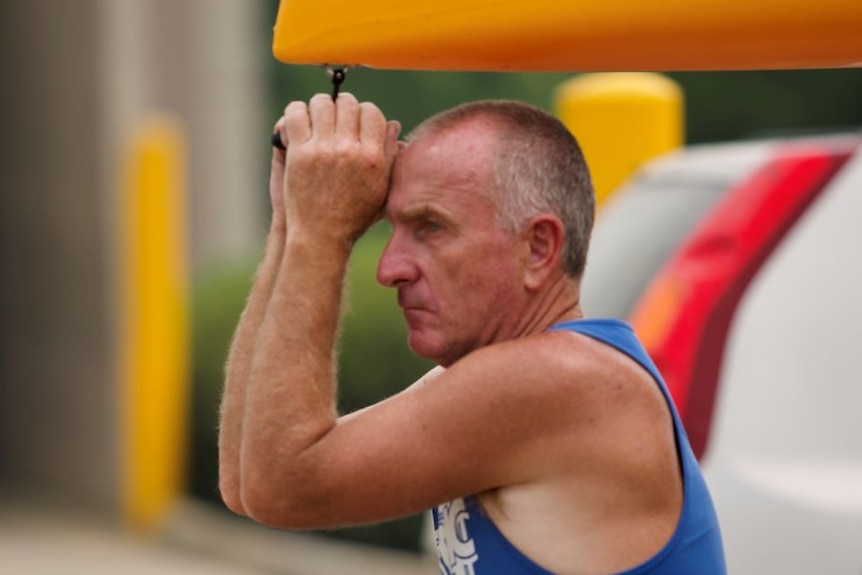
(571, 35)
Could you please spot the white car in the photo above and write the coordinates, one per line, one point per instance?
(740, 266)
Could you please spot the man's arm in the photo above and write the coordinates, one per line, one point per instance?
(299, 466)
(238, 365)
(337, 169)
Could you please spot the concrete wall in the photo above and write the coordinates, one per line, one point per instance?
(77, 79)
(57, 402)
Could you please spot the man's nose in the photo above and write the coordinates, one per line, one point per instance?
(396, 265)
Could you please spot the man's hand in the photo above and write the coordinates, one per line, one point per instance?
(338, 160)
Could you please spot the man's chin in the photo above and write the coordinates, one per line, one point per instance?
(424, 346)
(434, 349)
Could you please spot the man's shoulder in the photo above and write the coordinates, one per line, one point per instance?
(572, 379)
(556, 358)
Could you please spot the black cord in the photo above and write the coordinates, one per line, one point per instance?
(337, 75)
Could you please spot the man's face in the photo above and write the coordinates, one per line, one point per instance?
(457, 273)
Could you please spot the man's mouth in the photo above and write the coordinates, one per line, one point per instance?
(405, 302)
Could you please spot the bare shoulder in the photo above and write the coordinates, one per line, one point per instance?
(571, 367)
(593, 401)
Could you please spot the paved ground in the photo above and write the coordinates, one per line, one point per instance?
(40, 539)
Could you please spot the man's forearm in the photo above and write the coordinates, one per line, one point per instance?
(332, 187)
(290, 400)
(239, 363)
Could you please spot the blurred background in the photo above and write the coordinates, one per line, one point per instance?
(133, 208)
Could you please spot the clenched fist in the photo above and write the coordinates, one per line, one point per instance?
(334, 174)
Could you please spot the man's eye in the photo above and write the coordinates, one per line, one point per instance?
(425, 228)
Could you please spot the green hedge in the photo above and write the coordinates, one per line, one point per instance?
(374, 362)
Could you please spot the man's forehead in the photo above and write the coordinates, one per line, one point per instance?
(437, 171)
(458, 153)
(467, 132)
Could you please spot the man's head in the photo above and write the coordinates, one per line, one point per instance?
(491, 208)
(538, 167)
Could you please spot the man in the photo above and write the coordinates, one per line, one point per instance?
(544, 442)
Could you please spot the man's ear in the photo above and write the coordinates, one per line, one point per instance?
(544, 236)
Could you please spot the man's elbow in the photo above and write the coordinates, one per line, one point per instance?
(283, 506)
(258, 505)
(230, 495)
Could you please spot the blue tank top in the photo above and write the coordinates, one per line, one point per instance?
(468, 542)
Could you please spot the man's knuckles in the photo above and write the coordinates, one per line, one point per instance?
(339, 153)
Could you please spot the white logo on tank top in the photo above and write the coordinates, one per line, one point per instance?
(455, 547)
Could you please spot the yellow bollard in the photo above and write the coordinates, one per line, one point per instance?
(154, 328)
(621, 120)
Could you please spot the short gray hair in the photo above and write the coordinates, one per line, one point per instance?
(538, 167)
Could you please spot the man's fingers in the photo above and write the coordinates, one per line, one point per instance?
(278, 129)
(347, 116)
(393, 128)
(372, 124)
(321, 108)
(296, 124)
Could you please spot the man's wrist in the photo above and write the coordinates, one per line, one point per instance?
(327, 242)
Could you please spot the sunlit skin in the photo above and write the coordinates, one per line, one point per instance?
(460, 277)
